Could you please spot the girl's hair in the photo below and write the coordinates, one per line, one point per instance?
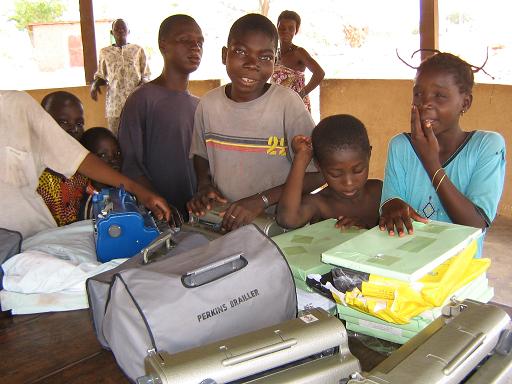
(461, 70)
(92, 136)
(339, 132)
(290, 15)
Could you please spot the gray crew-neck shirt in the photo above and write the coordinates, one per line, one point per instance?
(248, 144)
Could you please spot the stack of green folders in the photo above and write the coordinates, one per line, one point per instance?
(406, 258)
(315, 249)
(366, 324)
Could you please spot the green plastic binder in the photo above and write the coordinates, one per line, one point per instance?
(398, 337)
(406, 258)
(303, 247)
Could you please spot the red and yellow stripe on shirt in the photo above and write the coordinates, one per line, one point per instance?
(273, 145)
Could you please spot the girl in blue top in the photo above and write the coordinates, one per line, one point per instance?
(438, 171)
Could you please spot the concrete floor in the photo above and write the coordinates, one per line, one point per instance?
(498, 247)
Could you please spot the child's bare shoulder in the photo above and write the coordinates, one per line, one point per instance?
(324, 198)
(318, 200)
(321, 202)
(315, 198)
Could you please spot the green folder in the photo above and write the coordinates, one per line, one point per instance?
(478, 290)
(406, 258)
(393, 332)
(303, 247)
(400, 338)
(353, 315)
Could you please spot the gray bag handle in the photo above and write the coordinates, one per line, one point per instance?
(214, 271)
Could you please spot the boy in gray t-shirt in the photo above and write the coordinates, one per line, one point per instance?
(242, 130)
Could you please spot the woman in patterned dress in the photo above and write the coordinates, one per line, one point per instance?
(293, 60)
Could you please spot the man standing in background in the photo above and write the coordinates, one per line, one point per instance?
(122, 67)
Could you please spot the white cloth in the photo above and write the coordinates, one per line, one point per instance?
(23, 304)
(50, 273)
(30, 141)
(73, 242)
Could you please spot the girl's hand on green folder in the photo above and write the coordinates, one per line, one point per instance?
(396, 213)
(345, 223)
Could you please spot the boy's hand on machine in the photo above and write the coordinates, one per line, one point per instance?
(242, 212)
(301, 146)
(345, 223)
(204, 199)
(398, 214)
(156, 204)
(424, 140)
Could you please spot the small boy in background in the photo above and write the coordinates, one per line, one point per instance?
(341, 152)
(242, 130)
(102, 143)
(62, 195)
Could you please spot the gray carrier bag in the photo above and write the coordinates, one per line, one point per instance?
(10, 245)
(235, 284)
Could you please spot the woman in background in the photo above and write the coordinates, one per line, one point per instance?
(292, 60)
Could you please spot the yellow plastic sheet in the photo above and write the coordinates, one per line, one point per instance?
(397, 301)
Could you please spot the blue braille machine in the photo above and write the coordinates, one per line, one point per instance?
(121, 227)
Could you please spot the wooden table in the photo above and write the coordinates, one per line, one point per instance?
(61, 347)
(55, 347)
